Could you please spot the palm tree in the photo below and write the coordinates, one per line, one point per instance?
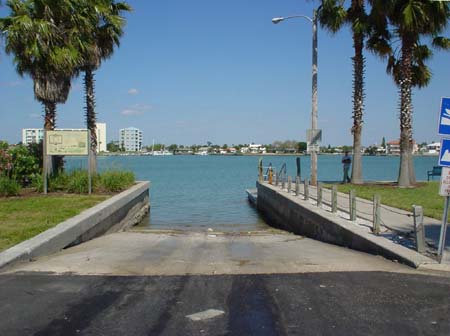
(98, 41)
(37, 33)
(333, 16)
(410, 20)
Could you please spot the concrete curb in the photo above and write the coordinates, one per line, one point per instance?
(114, 214)
(292, 213)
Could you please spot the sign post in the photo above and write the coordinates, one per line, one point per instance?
(45, 163)
(89, 165)
(65, 142)
(444, 161)
(444, 190)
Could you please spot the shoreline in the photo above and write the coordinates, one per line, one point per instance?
(254, 154)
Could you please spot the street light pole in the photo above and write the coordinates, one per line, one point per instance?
(314, 130)
(314, 99)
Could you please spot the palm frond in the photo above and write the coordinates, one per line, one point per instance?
(441, 42)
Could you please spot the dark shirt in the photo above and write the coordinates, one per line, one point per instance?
(347, 161)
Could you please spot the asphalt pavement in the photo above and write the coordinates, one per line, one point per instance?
(334, 303)
(214, 283)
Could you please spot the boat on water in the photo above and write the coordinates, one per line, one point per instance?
(202, 153)
(162, 153)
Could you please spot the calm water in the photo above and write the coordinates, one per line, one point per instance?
(209, 191)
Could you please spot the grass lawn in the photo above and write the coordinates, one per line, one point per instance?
(426, 195)
(22, 218)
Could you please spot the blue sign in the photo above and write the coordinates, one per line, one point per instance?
(444, 155)
(444, 117)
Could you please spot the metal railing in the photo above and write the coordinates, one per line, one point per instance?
(282, 175)
(350, 210)
(267, 170)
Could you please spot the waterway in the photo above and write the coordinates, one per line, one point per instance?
(190, 192)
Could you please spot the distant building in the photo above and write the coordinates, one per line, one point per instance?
(131, 139)
(433, 148)
(36, 135)
(393, 147)
(32, 135)
(245, 150)
(257, 149)
(203, 151)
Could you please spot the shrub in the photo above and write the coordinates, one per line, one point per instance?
(113, 181)
(37, 183)
(78, 182)
(9, 187)
(58, 182)
(24, 164)
(5, 162)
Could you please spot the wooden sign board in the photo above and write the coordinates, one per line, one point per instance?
(67, 142)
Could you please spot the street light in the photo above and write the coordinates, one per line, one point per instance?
(314, 134)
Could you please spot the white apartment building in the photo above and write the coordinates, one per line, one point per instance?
(32, 135)
(131, 139)
(36, 135)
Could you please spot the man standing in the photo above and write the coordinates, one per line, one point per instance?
(346, 162)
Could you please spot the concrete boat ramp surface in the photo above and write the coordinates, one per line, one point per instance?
(268, 282)
(180, 253)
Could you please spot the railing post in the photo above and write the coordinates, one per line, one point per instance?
(334, 199)
(275, 178)
(419, 229)
(376, 214)
(289, 184)
(283, 182)
(260, 170)
(352, 205)
(297, 186)
(306, 189)
(319, 194)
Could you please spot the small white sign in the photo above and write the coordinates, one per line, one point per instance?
(310, 148)
(444, 189)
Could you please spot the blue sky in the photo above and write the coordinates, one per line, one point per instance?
(188, 72)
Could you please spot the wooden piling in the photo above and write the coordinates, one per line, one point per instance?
(419, 229)
(319, 194)
(376, 214)
(352, 205)
(334, 199)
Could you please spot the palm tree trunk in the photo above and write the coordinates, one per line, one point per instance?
(91, 119)
(406, 172)
(358, 105)
(49, 125)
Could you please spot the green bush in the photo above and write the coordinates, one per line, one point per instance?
(9, 187)
(37, 183)
(24, 164)
(78, 182)
(58, 182)
(113, 181)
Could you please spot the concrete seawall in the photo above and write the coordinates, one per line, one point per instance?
(292, 213)
(117, 213)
